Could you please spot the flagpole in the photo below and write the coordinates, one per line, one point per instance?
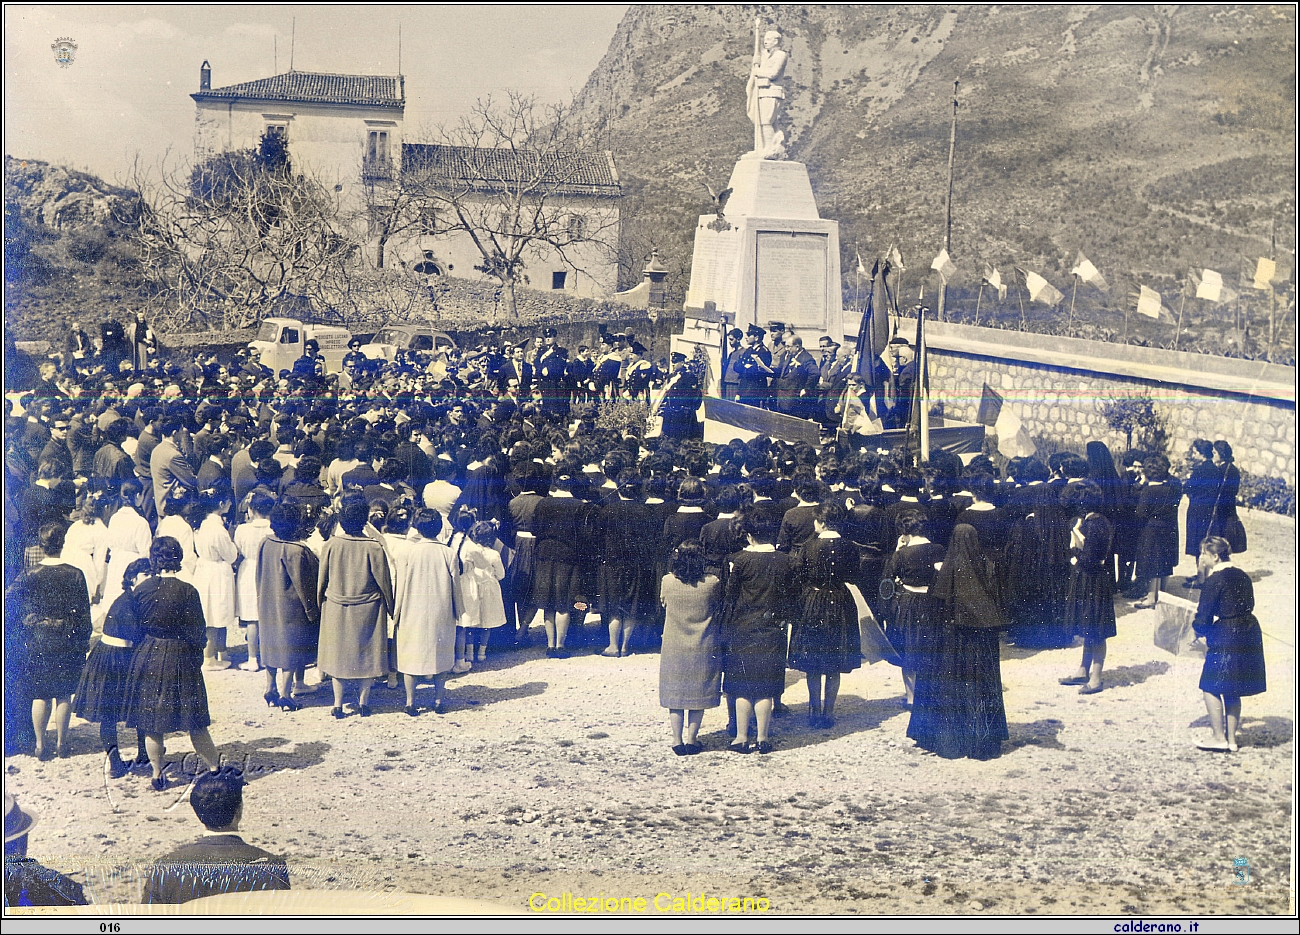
(1021, 294)
(979, 298)
(1073, 291)
(947, 230)
(1183, 302)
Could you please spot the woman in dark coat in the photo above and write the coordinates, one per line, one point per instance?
(53, 604)
(1114, 506)
(287, 604)
(164, 689)
(825, 641)
(1090, 604)
(562, 526)
(101, 695)
(759, 586)
(1157, 508)
(625, 588)
(914, 616)
(1225, 523)
(958, 710)
(1234, 660)
(517, 590)
(1037, 564)
(1201, 487)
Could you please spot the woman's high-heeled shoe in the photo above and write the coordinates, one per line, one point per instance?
(272, 698)
(338, 713)
(159, 784)
(288, 704)
(363, 710)
(412, 710)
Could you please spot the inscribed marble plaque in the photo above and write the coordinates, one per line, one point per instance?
(790, 274)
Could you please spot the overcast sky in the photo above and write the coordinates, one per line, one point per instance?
(128, 90)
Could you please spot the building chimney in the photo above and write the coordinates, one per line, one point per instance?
(205, 77)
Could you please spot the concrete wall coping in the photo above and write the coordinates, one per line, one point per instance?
(1228, 374)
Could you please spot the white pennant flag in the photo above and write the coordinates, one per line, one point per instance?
(1211, 287)
(1040, 290)
(1013, 440)
(1084, 269)
(1149, 303)
(862, 270)
(994, 278)
(943, 265)
(1265, 271)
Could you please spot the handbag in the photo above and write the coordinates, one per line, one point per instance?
(1232, 528)
(1173, 630)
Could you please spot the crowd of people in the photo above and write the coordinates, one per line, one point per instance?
(396, 525)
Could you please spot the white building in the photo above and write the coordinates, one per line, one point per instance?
(346, 131)
(339, 127)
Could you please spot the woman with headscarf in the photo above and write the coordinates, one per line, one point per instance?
(1115, 505)
(1037, 565)
(958, 709)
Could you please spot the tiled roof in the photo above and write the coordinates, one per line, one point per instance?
(316, 88)
(487, 169)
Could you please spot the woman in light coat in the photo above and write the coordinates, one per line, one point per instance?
(355, 592)
(426, 612)
(214, 573)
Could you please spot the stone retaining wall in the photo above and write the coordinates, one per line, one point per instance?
(1059, 386)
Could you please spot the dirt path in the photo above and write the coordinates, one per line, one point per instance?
(553, 776)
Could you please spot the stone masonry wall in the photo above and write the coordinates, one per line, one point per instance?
(1066, 405)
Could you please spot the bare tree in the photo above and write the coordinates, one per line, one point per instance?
(237, 234)
(515, 180)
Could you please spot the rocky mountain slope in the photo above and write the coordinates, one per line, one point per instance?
(1153, 138)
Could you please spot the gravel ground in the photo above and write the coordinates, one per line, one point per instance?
(553, 776)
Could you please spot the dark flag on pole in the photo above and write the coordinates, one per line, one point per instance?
(873, 335)
(918, 433)
(990, 406)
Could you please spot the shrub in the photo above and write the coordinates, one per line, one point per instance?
(1270, 494)
(1138, 419)
(87, 246)
(620, 415)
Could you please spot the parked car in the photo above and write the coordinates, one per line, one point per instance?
(280, 341)
(392, 338)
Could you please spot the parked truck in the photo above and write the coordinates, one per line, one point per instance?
(280, 341)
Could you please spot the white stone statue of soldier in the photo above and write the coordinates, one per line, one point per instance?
(765, 92)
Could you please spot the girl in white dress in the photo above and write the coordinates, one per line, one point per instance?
(479, 572)
(175, 523)
(129, 538)
(86, 546)
(214, 575)
(248, 540)
(424, 614)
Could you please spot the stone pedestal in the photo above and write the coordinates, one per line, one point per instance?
(769, 257)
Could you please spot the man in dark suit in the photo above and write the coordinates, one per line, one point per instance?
(220, 861)
(796, 384)
(518, 372)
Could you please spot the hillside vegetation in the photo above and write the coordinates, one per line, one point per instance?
(1152, 138)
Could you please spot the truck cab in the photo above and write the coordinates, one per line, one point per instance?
(406, 337)
(281, 341)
